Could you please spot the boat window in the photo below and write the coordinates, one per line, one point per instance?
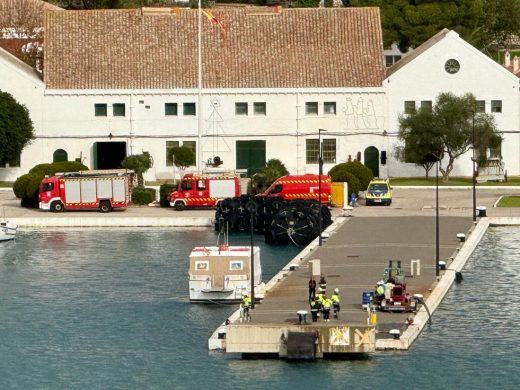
(277, 189)
(201, 184)
(47, 187)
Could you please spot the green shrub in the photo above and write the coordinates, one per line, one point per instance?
(27, 187)
(63, 166)
(342, 175)
(360, 171)
(164, 193)
(142, 195)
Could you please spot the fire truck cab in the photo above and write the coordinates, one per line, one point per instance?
(204, 190)
(301, 187)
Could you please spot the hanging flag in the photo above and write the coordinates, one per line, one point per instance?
(214, 21)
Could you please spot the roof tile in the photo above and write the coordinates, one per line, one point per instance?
(297, 48)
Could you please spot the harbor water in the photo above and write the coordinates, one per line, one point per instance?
(108, 309)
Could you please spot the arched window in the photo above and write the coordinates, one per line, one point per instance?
(59, 155)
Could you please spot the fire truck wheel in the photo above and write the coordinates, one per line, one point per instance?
(179, 206)
(105, 206)
(57, 207)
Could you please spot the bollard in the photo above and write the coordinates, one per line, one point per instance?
(481, 211)
(442, 265)
(415, 264)
(461, 237)
(302, 317)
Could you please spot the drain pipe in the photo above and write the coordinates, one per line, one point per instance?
(419, 299)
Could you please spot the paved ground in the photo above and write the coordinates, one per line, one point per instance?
(416, 201)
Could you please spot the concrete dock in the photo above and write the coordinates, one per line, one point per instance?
(354, 257)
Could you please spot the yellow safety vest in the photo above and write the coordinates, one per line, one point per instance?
(327, 303)
(335, 298)
(246, 302)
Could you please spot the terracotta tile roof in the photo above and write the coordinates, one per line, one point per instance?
(126, 49)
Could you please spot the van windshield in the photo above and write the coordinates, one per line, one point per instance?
(378, 187)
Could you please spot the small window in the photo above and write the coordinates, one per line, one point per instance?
(170, 109)
(169, 146)
(329, 108)
(100, 109)
(481, 106)
(312, 151)
(409, 107)
(118, 109)
(496, 105)
(311, 108)
(241, 108)
(188, 109)
(201, 184)
(427, 105)
(259, 108)
(390, 60)
(329, 150)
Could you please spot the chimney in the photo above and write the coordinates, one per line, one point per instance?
(507, 59)
(516, 64)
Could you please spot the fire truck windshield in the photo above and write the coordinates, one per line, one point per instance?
(47, 187)
(186, 185)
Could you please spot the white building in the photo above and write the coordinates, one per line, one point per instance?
(122, 82)
(447, 63)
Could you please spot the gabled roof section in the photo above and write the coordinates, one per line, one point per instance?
(417, 52)
(22, 66)
(294, 48)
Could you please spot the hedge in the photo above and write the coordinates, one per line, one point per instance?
(142, 196)
(360, 171)
(27, 187)
(164, 193)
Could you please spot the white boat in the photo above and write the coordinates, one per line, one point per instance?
(7, 230)
(223, 273)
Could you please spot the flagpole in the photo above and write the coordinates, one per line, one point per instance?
(199, 87)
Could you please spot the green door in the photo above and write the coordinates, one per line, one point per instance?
(251, 156)
(372, 159)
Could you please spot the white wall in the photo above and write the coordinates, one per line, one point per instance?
(23, 83)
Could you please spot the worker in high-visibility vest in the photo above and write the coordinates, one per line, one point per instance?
(246, 304)
(335, 298)
(314, 310)
(326, 304)
(319, 300)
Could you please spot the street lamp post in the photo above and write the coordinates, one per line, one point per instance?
(320, 172)
(474, 173)
(437, 218)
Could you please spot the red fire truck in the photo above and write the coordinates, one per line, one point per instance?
(205, 190)
(301, 187)
(101, 190)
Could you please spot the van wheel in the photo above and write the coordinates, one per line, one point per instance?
(57, 207)
(105, 206)
(179, 206)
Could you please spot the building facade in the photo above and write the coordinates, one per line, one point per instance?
(123, 82)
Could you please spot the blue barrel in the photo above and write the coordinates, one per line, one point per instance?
(367, 297)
